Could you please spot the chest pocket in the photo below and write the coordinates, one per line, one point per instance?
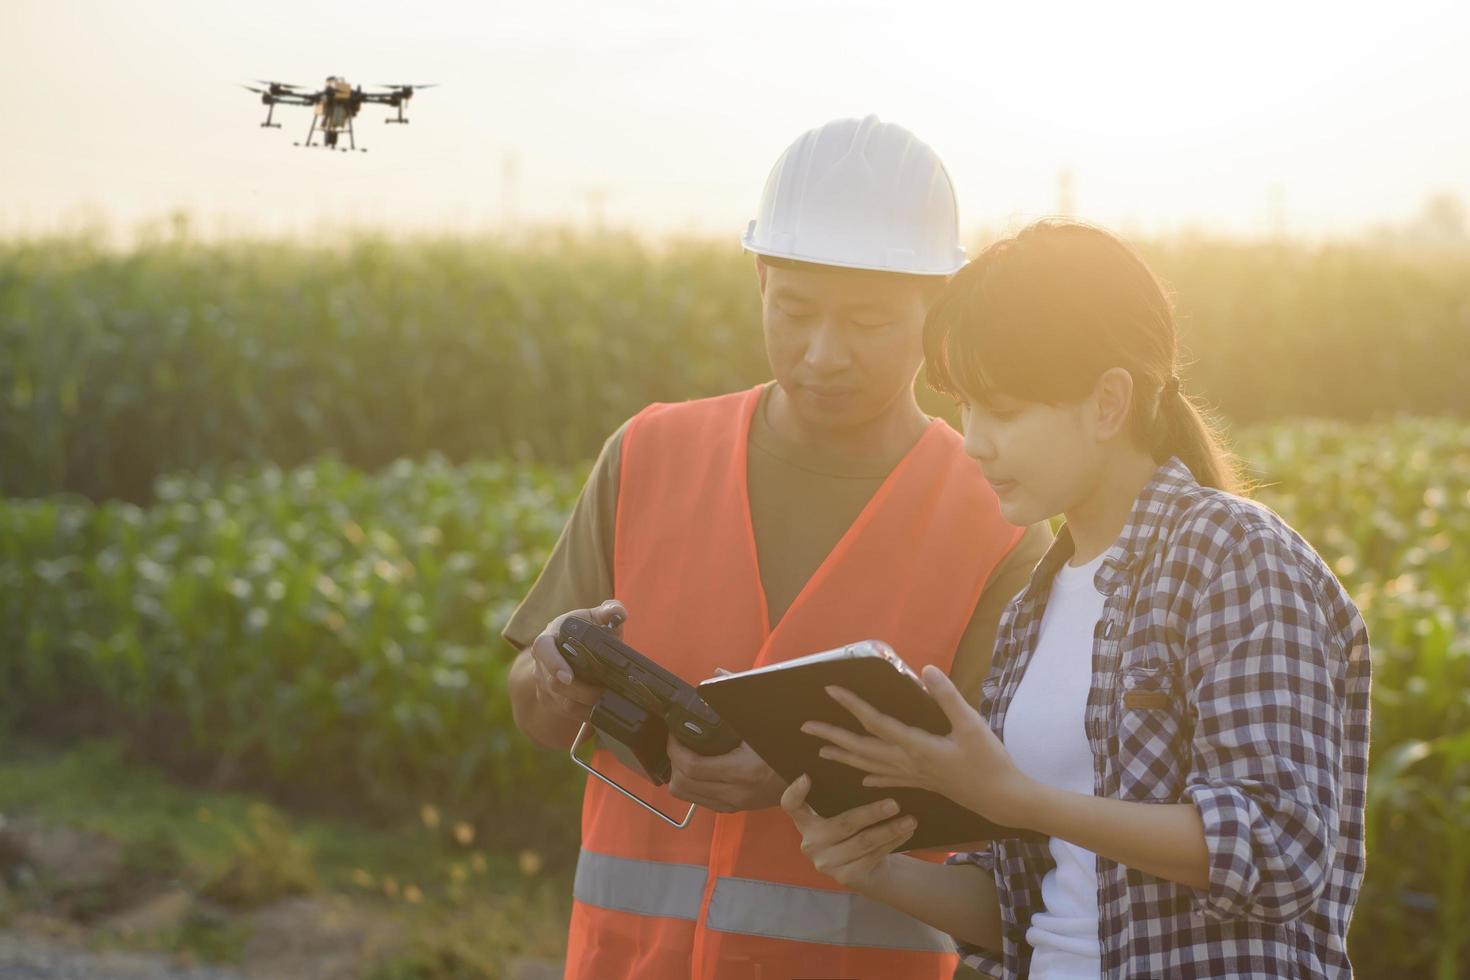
(1153, 735)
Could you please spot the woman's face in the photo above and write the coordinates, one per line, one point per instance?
(1042, 460)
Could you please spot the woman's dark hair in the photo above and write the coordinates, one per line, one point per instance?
(1040, 316)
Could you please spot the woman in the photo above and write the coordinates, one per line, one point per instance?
(1178, 699)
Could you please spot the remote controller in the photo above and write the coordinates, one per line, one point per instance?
(599, 658)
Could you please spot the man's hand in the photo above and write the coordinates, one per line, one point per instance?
(558, 693)
(737, 780)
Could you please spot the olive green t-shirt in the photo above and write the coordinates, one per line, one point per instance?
(802, 500)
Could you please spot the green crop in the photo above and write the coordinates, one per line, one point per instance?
(118, 367)
(317, 627)
(326, 631)
(1388, 506)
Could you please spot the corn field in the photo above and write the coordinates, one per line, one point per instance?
(269, 505)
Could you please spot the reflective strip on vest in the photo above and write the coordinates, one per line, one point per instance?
(814, 915)
(753, 908)
(673, 891)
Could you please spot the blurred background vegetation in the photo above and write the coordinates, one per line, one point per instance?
(268, 504)
(118, 367)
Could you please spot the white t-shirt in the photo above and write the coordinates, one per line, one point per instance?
(1044, 732)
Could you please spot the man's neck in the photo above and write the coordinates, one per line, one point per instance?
(891, 434)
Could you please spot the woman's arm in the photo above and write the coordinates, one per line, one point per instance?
(1276, 669)
(959, 899)
(1165, 840)
(1281, 713)
(855, 849)
(971, 766)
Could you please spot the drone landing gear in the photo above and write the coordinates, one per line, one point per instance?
(309, 133)
(399, 118)
(351, 139)
(330, 138)
(270, 111)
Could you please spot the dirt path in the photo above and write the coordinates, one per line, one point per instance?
(24, 957)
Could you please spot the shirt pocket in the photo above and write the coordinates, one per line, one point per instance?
(1152, 738)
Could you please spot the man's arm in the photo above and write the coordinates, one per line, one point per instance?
(545, 728)
(1011, 575)
(548, 705)
(577, 577)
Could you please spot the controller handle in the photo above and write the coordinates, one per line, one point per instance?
(695, 724)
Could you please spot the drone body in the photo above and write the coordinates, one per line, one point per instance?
(334, 106)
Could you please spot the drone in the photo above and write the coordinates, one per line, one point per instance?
(335, 105)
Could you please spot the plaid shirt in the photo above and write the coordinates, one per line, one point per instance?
(1229, 670)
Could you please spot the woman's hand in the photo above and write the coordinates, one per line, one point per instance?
(854, 848)
(969, 765)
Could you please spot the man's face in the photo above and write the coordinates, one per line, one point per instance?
(844, 345)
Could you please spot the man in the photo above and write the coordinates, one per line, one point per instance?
(754, 527)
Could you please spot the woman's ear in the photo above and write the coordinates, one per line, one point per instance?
(1113, 396)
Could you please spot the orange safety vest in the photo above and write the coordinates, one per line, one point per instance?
(731, 896)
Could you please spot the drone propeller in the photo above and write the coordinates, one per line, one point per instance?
(408, 88)
(285, 88)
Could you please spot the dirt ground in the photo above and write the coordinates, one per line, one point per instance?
(74, 910)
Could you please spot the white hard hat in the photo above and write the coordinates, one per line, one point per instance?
(861, 194)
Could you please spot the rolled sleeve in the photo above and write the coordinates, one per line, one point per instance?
(1267, 736)
(985, 858)
(1262, 866)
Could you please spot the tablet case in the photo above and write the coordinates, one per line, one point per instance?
(768, 705)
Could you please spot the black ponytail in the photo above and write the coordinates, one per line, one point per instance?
(1182, 428)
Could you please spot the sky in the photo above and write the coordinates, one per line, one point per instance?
(1249, 119)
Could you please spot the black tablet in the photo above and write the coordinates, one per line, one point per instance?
(768, 705)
